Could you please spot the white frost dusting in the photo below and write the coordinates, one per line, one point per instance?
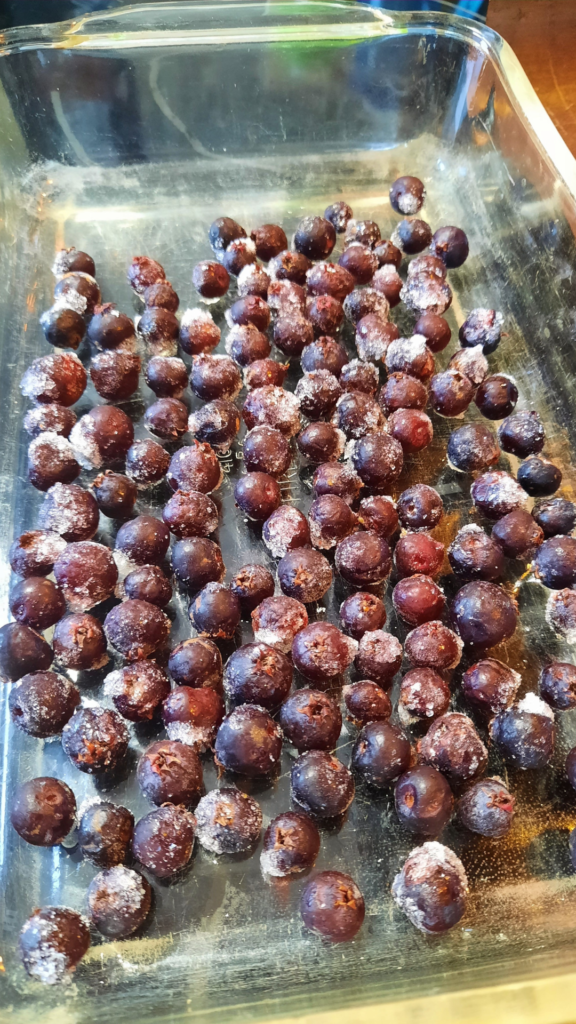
(532, 704)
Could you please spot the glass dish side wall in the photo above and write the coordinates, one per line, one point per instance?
(122, 138)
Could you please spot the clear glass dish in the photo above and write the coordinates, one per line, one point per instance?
(128, 133)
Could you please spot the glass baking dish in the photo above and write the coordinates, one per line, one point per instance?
(128, 133)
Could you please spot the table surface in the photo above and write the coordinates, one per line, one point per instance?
(542, 34)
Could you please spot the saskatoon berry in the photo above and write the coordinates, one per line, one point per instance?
(70, 511)
(63, 327)
(167, 418)
(379, 657)
(474, 555)
(453, 746)
(558, 685)
(54, 418)
(87, 575)
(136, 629)
(248, 742)
(265, 372)
(331, 519)
(360, 263)
(338, 213)
(115, 494)
(51, 461)
(315, 238)
(561, 613)
(198, 332)
(423, 695)
(270, 240)
(325, 313)
(366, 702)
(210, 279)
(418, 599)
(487, 808)
(412, 428)
(407, 195)
(420, 507)
(484, 614)
(431, 888)
(115, 375)
(412, 236)
(321, 442)
(163, 295)
(215, 377)
(471, 362)
(450, 393)
(378, 513)
(109, 329)
(333, 906)
(215, 611)
(411, 356)
(290, 266)
(433, 645)
(539, 477)
(79, 643)
(103, 435)
(286, 529)
(228, 821)
(34, 553)
(555, 562)
(144, 271)
(435, 329)
(196, 663)
(216, 423)
(497, 396)
(273, 407)
(52, 942)
(258, 674)
(195, 468)
(388, 282)
(363, 558)
(556, 516)
(424, 800)
(374, 334)
(257, 495)
(482, 327)
(190, 514)
(418, 553)
(222, 231)
(104, 833)
(71, 260)
(451, 245)
(359, 376)
(146, 463)
(277, 620)
(193, 716)
(250, 309)
(472, 447)
(378, 459)
(358, 414)
(137, 690)
(22, 650)
(163, 840)
(246, 344)
(252, 584)
(76, 286)
(119, 901)
(490, 686)
(360, 304)
(305, 575)
(525, 733)
(311, 720)
(366, 232)
(95, 739)
(59, 378)
(362, 613)
(144, 540)
(43, 811)
(324, 354)
(42, 703)
(292, 332)
(239, 254)
(387, 252)
(381, 753)
(517, 534)
(321, 784)
(401, 391)
(320, 652)
(522, 434)
(317, 393)
(170, 772)
(37, 602)
(266, 450)
(291, 845)
(330, 279)
(497, 493)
